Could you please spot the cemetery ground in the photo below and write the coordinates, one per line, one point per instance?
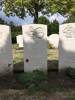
(50, 86)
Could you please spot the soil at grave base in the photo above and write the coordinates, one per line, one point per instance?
(9, 82)
(21, 95)
(10, 89)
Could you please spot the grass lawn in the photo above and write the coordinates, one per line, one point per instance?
(54, 87)
(18, 54)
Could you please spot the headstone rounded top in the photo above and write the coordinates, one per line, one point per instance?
(35, 25)
(54, 40)
(4, 28)
(67, 24)
(19, 35)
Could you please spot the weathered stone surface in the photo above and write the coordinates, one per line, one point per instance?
(53, 39)
(67, 46)
(6, 62)
(35, 47)
(19, 39)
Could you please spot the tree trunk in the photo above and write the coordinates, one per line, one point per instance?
(36, 17)
(22, 12)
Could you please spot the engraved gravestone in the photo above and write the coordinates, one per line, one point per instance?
(66, 46)
(53, 40)
(35, 47)
(6, 64)
(19, 39)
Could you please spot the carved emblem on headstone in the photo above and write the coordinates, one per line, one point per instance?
(69, 31)
(36, 33)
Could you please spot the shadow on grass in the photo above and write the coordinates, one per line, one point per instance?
(9, 81)
(19, 67)
(52, 65)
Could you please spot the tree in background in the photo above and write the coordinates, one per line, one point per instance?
(22, 7)
(44, 20)
(53, 27)
(62, 6)
(1, 21)
(32, 7)
(15, 30)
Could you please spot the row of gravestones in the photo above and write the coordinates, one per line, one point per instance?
(52, 39)
(35, 47)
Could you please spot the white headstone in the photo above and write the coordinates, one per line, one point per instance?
(54, 40)
(19, 39)
(6, 62)
(67, 46)
(35, 47)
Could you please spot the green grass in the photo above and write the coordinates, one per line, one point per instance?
(71, 98)
(70, 72)
(52, 54)
(37, 81)
(17, 54)
(18, 58)
(31, 77)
